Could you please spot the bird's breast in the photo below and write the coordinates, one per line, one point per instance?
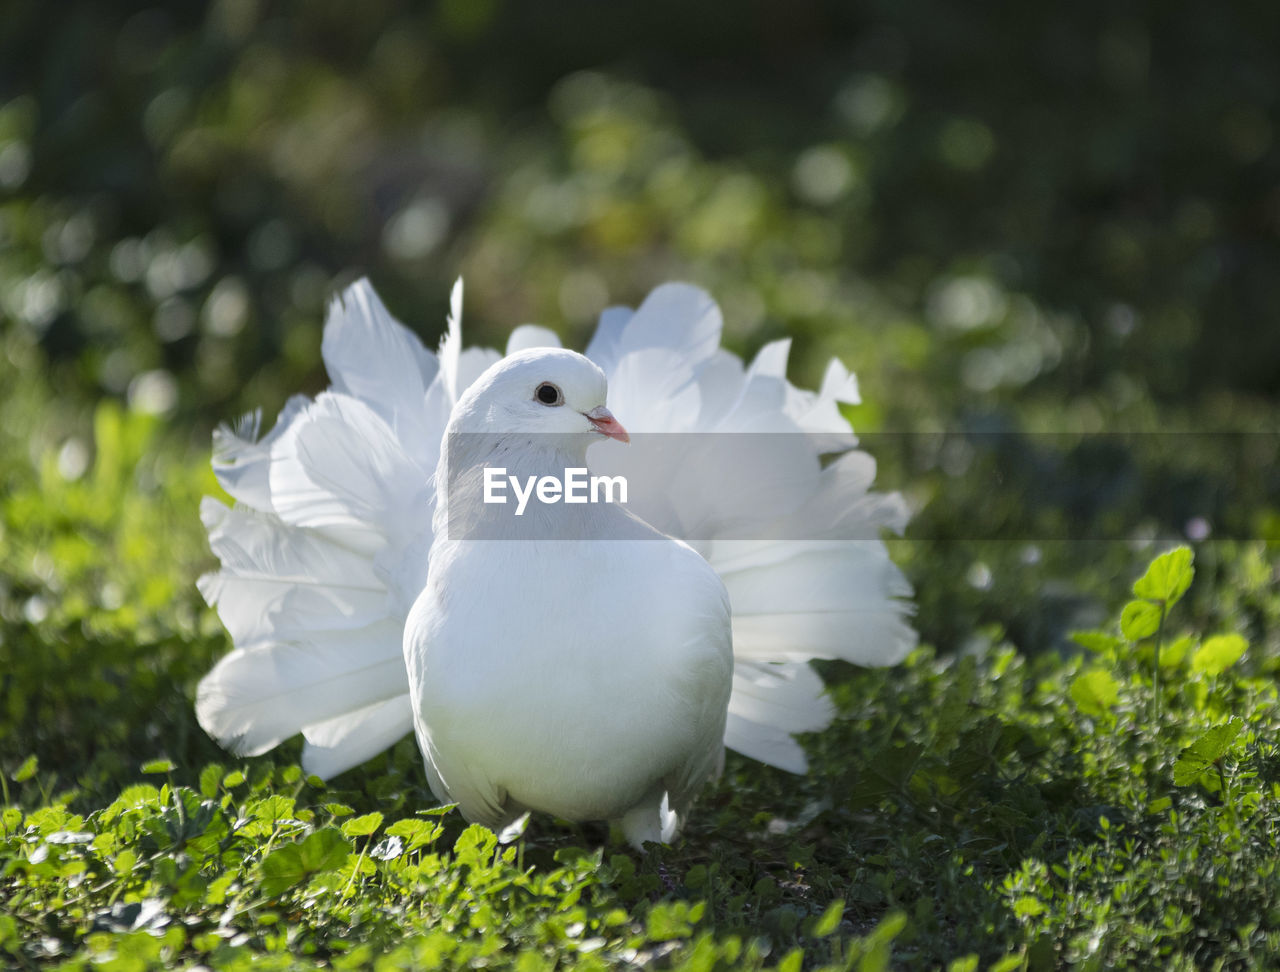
(576, 680)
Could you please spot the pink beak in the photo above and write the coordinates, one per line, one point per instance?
(606, 424)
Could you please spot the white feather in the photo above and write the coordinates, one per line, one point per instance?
(281, 581)
(451, 345)
(372, 357)
(531, 336)
(770, 702)
(340, 465)
(792, 600)
(338, 744)
(675, 316)
(242, 461)
(340, 487)
(604, 346)
(261, 694)
(314, 583)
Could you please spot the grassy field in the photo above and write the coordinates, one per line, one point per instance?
(1044, 237)
(1112, 806)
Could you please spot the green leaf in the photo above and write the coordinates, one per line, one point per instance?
(1028, 906)
(136, 796)
(159, 766)
(1098, 641)
(11, 820)
(475, 846)
(216, 893)
(210, 779)
(285, 867)
(26, 770)
(362, 826)
(1140, 619)
(415, 833)
(574, 855)
(830, 919)
(1218, 654)
(281, 870)
(9, 939)
(890, 927)
(1175, 653)
(324, 850)
(955, 707)
(1205, 751)
(1095, 692)
(272, 808)
(439, 811)
(669, 919)
(1167, 578)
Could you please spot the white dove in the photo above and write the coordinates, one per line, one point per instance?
(582, 667)
(330, 543)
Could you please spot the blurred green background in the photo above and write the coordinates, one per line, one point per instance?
(1009, 219)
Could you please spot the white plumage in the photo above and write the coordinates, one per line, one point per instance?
(332, 542)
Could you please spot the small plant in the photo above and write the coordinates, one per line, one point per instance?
(1143, 623)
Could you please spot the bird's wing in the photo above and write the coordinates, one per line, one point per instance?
(478, 800)
(705, 678)
(706, 758)
(452, 780)
(326, 546)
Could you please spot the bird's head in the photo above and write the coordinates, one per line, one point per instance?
(540, 394)
(534, 413)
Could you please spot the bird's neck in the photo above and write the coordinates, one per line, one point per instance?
(483, 479)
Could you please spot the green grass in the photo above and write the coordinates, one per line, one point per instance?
(1001, 806)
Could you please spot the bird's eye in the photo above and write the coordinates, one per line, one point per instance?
(548, 394)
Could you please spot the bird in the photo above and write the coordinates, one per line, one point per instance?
(595, 661)
(582, 664)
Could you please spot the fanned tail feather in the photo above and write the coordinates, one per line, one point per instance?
(259, 695)
(282, 581)
(770, 702)
(331, 529)
(796, 541)
(242, 461)
(348, 740)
